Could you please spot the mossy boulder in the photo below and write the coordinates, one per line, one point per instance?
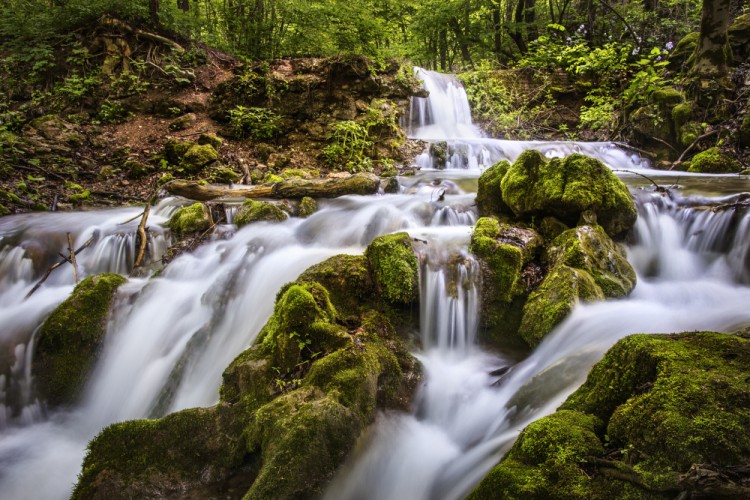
(659, 405)
(682, 113)
(438, 151)
(394, 267)
(566, 187)
(590, 249)
(504, 251)
(489, 194)
(69, 341)
(183, 122)
(195, 451)
(255, 211)
(713, 161)
(54, 129)
(651, 126)
(683, 51)
(198, 157)
(667, 97)
(303, 323)
(190, 219)
(174, 150)
(307, 207)
(689, 132)
(211, 139)
(347, 279)
(554, 300)
(223, 175)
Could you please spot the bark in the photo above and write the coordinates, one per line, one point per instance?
(361, 184)
(713, 55)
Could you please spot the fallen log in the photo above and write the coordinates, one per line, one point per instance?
(362, 184)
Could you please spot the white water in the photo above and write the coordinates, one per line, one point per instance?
(172, 336)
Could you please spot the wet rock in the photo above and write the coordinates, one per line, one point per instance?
(395, 268)
(489, 194)
(211, 139)
(255, 211)
(713, 161)
(184, 122)
(307, 207)
(564, 188)
(197, 157)
(191, 219)
(69, 341)
(660, 404)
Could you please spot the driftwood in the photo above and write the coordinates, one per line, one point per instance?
(72, 253)
(361, 184)
(58, 264)
(141, 236)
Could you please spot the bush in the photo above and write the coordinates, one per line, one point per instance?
(255, 123)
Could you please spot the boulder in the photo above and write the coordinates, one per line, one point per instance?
(69, 341)
(489, 194)
(190, 219)
(714, 161)
(395, 268)
(565, 188)
(255, 211)
(651, 417)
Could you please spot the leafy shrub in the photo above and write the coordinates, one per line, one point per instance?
(347, 146)
(255, 123)
(113, 112)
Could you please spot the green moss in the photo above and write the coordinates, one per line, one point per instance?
(183, 452)
(713, 161)
(301, 327)
(211, 139)
(136, 169)
(650, 125)
(348, 281)
(564, 188)
(551, 228)
(689, 132)
(504, 261)
(395, 268)
(248, 380)
(303, 437)
(489, 194)
(683, 51)
(590, 249)
(682, 113)
(68, 342)
(744, 132)
(4, 211)
(255, 211)
(545, 461)
(174, 150)
(667, 97)
(80, 197)
(190, 219)
(299, 173)
(439, 152)
(553, 301)
(307, 207)
(272, 178)
(198, 157)
(223, 175)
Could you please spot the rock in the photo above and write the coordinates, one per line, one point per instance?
(684, 50)
(136, 169)
(439, 153)
(190, 219)
(223, 174)
(255, 211)
(69, 341)
(347, 279)
(554, 300)
(689, 132)
(198, 157)
(395, 268)
(307, 207)
(590, 249)
(174, 150)
(713, 161)
(489, 194)
(564, 188)
(54, 129)
(662, 402)
(184, 122)
(503, 251)
(211, 139)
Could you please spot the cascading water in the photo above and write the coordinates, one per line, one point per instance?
(171, 336)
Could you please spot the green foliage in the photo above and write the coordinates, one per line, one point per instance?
(347, 147)
(255, 123)
(112, 112)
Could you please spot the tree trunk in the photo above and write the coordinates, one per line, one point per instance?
(153, 11)
(713, 54)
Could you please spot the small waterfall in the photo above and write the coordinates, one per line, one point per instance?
(444, 120)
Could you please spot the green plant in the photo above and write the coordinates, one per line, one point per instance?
(347, 145)
(112, 112)
(255, 123)
(648, 78)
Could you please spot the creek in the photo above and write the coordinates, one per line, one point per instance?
(172, 335)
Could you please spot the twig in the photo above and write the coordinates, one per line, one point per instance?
(665, 143)
(637, 150)
(695, 142)
(73, 258)
(131, 219)
(56, 265)
(142, 238)
(194, 133)
(659, 189)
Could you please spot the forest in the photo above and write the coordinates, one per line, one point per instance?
(374, 249)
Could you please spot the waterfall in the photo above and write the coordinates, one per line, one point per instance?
(171, 336)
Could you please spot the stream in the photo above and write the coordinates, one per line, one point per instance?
(172, 335)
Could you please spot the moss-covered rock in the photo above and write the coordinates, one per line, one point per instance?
(590, 249)
(211, 139)
(192, 452)
(744, 132)
(4, 210)
(554, 300)
(660, 404)
(190, 219)
(394, 267)
(438, 151)
(564, 188)
(198, 157)
(174, 150)
(689, 132)
(223, 175)
(183, 122)
(682, 113)
(651, 126)
(667, 97)
(307, 207)
(348, 281)
(489, 194)
(69, 341)
(713, 161)
(255, 211)
(683, 51)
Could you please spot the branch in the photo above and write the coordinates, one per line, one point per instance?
(73, 258)
(632, 32)
(55, 266)
(694, 143)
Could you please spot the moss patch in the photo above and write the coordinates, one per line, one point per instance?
(713, 161)
(255, 211)
(348, 281)
(489, 195)
(69, 341)
(564, 188)
(307, 207)
(395, 268)
(190, 219)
